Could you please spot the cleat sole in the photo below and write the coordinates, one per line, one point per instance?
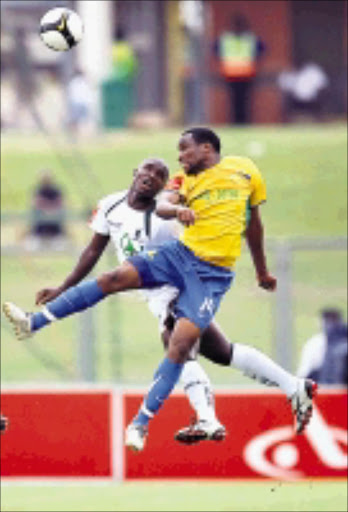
(193, 437)
(312, 390)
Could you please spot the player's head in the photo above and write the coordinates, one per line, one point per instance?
(46, 177)
(239, 23)
(331, 317)
(198, 148)
(149, 178)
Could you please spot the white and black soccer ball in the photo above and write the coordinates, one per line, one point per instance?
(61, 29)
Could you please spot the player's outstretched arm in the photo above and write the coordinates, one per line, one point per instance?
(254, 236)
(88, 259)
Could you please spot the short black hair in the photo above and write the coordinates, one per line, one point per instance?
(331, 314)
(151, 161)
(201, 135)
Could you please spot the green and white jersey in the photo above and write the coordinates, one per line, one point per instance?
(132, 231)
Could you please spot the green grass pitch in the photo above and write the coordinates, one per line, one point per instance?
(305, 171)
(177, 496)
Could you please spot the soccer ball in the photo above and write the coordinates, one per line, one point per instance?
(61, 29)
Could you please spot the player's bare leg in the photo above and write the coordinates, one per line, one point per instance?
(253, 363)
(182, 339)
(198, 389)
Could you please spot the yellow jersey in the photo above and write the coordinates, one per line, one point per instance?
(220, 197)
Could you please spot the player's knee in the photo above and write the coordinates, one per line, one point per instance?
(178, 354)
(183, 338)
(123, 278)
(107, 282)
(179, 351)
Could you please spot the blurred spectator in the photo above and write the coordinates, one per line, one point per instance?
(118, 90)
(25, 87)
(47, 215)
(325, 357)
(238, 51)
(124, 60)
(304, 90)
(80, 100)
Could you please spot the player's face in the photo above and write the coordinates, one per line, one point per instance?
(191, 155)
(150, 178)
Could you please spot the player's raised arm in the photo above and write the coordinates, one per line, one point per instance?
(170, 206)
(87, 260)
(254, 237)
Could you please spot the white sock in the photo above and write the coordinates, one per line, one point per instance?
(257, 365)
(198, 389)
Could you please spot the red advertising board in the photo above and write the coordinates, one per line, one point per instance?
(70, 433)
(56, 434)
(261, 442)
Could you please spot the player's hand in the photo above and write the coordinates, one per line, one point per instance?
(46, 294)
(267, 282)
(185, 215)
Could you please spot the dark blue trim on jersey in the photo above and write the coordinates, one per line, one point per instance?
(118, 202)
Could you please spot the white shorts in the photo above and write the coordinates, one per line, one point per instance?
(159, 301)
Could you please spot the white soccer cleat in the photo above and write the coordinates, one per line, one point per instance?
(201, 430)
(135, 437)
(21, 321)
(302, 403)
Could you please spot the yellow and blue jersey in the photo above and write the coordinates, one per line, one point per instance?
(220, 197)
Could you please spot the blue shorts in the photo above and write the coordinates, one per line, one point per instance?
(201, 285)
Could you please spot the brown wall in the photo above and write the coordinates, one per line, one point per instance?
(271, 21)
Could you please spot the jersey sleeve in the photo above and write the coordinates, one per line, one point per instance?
(98, 222)
(258, 193)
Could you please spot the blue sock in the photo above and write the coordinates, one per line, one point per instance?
(38, 320)
(77, 298)
(165, 378)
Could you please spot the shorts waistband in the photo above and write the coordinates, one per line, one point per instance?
(215, 267)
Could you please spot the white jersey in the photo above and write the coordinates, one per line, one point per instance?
(132, 231)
